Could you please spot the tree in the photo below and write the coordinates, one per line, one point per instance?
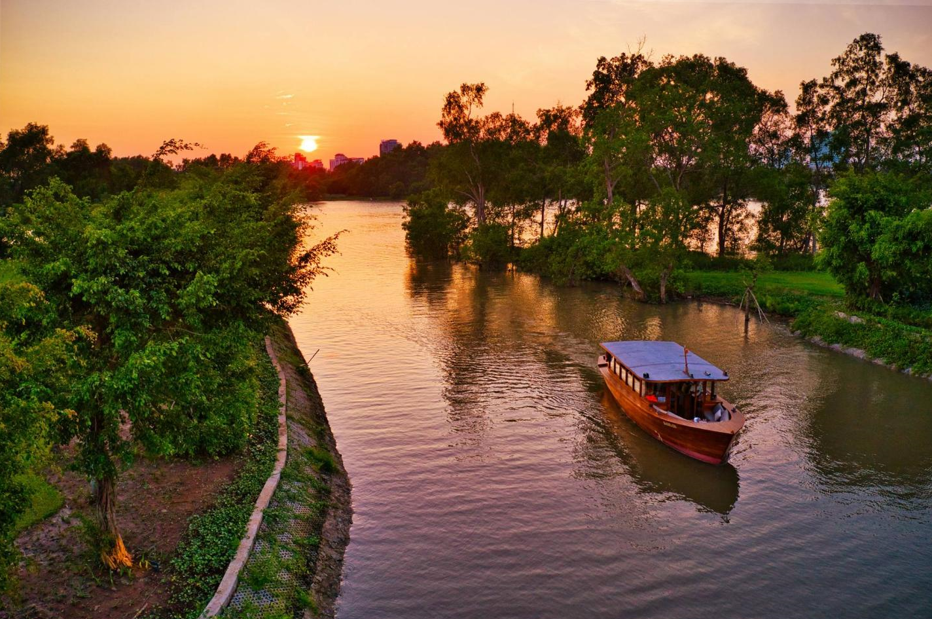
(559, 130)
(433, 228)
(465, 166)
(173, 289)
(859, 96)
(877, 237)
(34, 366)
(25, 161)
(736, 109)
(675, 98)
(611, 121)
(86, 171)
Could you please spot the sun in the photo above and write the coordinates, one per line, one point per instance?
(308, 143)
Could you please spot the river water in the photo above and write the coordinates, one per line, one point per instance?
(493, 476)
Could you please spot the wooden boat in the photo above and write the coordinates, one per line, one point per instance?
(670, 393)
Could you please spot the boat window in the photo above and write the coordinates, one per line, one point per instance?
(637, 385)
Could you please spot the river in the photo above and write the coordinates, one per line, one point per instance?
(493, 476)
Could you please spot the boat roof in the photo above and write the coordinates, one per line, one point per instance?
(662, 361)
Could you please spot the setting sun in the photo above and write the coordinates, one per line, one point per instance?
(308, 143)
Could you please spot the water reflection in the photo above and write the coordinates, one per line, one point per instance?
(658, 470)
(870, 431)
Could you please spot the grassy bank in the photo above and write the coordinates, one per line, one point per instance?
(815, 302)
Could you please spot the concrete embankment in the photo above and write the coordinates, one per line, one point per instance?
(295, 565)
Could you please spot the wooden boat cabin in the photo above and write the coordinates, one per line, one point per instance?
(670, 392)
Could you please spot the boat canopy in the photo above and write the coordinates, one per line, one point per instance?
(662, 361)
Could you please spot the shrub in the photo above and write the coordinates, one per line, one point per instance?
(433, 228)
(489, 246)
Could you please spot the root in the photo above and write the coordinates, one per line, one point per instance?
(117, 557)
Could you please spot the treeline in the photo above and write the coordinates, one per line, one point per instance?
(133, 300)
(666, 157)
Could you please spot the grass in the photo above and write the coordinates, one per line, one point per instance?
(732, 283)
(321, 459)
(45, 500)
(897, 336)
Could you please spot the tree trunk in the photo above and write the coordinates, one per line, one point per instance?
(664, 275)
(609, 185)
(480, 205)
(874, 290)
(634, 282)
(722, 222)
(543, 216)
(112, 552)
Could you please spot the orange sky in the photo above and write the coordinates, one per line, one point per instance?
(229, 74)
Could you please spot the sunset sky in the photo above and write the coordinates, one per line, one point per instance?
(229, 74)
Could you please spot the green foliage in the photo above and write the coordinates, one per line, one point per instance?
(212, 537)
(877, 238)
(35, 365)
(434, 229)
(171, 290)
(489, 246)
(892, 342)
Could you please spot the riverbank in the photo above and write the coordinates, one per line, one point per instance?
(182, 519)
(814, 303)
(295, 567)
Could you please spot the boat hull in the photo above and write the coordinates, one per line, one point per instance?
(709, 442)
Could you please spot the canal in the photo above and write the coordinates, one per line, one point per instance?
(494, 477)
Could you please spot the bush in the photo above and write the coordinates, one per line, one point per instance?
(434, 229)
(489, 246)
(213, 537)
(877, 238)
(894, 343)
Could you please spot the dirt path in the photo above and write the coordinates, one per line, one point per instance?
(62, 578)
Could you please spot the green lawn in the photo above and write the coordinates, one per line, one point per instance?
(46, 500)
(732, 283)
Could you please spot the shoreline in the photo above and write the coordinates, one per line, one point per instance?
(307, 414)
(788, 320)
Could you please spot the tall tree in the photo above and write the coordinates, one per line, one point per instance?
(611, 121)
(465, 165)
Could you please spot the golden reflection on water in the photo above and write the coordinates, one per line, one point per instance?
(493, 476)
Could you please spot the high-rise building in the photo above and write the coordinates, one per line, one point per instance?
(387, 146)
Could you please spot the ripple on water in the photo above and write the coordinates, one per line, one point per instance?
(492, 476)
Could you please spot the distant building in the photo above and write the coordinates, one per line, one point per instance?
(387, 146)
(339, 159)
(300, 162)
